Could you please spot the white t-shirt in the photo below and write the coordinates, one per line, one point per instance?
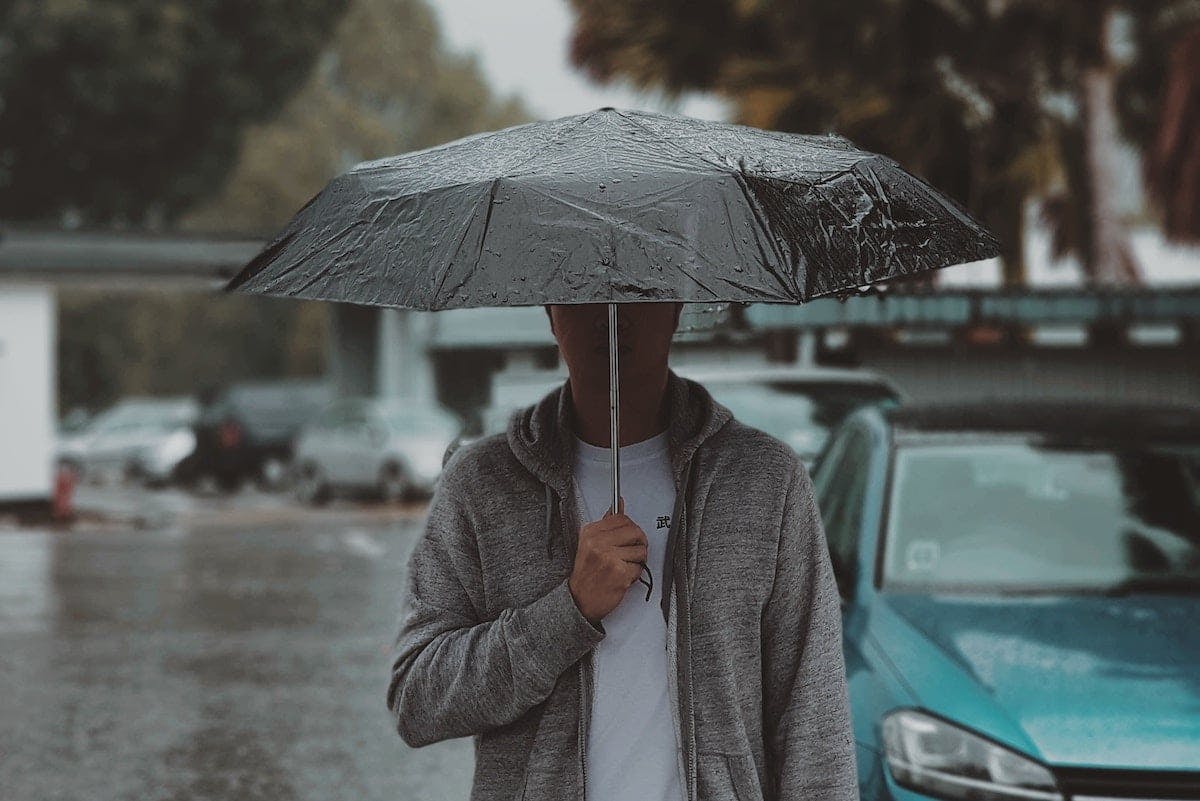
(632, 742)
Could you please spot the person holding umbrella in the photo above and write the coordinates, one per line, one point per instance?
(521, 626)
(765, 678)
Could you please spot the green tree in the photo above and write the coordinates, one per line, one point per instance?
(128, 111)
(115, 343)
(994, 101)
(385, 84)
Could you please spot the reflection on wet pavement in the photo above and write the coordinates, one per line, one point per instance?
(206, 663)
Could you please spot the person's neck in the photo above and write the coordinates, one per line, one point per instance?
(643, 409)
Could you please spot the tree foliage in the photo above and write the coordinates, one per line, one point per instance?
(385, 84)
(981, 97)
(114, 343)
(128, 111)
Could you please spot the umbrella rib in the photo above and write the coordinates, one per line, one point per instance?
(487, 222)
(657, 139)
(308, 257)
(760, 219)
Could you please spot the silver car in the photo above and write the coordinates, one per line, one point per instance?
(139, 436)
(390, 448)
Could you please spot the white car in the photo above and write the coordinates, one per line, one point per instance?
(142, 436)
(390, 448)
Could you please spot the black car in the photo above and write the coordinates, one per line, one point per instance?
(245, 431)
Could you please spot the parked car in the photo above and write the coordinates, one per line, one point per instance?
(1020, 588)
(138, 436)
(507, 396)
(388, 447)
(245, 431)
(796, 404)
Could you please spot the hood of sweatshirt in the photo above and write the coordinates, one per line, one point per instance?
(542, 435)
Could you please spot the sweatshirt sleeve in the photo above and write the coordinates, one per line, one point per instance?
(456, 674)
(806, 705)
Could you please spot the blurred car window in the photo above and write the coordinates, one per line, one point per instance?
(1020, 515)
(135, 415)
(841, 496)
(800, 413)
(418, 421)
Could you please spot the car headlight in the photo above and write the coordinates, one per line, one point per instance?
(934, 757)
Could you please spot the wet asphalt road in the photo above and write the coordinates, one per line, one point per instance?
(206, 660)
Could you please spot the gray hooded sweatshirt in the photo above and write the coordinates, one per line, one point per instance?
(492, 645)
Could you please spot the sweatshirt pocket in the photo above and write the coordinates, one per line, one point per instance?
(727, 777)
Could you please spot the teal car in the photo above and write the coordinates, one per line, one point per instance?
(1021, 598)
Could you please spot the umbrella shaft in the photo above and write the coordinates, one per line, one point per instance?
(613, 404)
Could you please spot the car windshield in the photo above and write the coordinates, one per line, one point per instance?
(800, 413)
(1019, 516)
(412, 422)
(144, 415)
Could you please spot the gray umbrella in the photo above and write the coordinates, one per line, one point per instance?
(615, 206)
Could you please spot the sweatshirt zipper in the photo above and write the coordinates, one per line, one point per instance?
(679, 610)
(684, 621)
(585, 668)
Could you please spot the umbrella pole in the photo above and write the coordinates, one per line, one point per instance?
(613, 404)
(614, 397)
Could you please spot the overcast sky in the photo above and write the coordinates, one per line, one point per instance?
(522, 45)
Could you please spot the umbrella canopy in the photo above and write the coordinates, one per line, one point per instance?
(615, 206)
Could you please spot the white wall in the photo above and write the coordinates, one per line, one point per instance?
(28, 406)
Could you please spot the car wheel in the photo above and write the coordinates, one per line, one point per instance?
(392, 485)
(311, 486)
(229, 482)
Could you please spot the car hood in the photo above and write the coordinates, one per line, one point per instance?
(1087, 680)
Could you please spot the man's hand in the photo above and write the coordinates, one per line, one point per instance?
(608, 560)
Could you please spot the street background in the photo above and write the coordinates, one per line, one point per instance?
(207, 501)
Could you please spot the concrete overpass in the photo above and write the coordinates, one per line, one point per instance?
(952, 342)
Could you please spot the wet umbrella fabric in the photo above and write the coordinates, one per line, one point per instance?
(615, 206)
